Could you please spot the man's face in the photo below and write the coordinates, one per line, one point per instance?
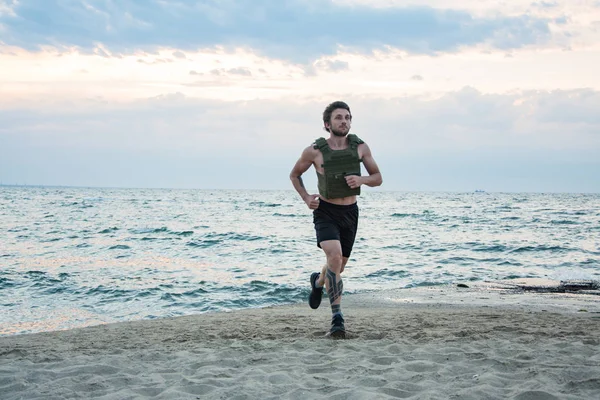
(340, 122)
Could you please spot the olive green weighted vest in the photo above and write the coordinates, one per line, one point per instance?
(337, 164)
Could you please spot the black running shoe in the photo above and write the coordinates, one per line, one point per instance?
(316, 295)
(337, 327)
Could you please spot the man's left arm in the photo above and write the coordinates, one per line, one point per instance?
(374, 178)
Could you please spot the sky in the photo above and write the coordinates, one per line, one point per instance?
(461, 95)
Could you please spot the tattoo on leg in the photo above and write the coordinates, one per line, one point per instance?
(334, 287)
(336, 309)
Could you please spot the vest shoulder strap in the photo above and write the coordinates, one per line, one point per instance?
(354, 140)
(322, 145)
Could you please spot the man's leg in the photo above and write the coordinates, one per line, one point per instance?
(317, 293)
(334, 284)
(321, 281)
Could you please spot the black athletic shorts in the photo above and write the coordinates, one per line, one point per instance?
(335, 222)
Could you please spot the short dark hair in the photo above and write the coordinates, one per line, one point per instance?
(331, 108)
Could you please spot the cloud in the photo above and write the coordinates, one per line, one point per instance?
(155, 61)
(239, 71)
(561, 20)
(332, 65)
(416, 78)
(101, 52)
(487, 119)
(7, 8)
(545, 4)
(294, 30)
(573, 108)
(462, 140)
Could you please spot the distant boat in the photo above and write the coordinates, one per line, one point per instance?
(480, 191)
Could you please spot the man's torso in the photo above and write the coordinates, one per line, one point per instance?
(318, 164)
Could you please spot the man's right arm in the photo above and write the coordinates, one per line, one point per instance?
(302, 165)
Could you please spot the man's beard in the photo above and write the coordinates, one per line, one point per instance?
(339, 133)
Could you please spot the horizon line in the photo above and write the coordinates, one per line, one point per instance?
(478, 191)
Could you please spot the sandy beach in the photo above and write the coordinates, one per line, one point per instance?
(484, 341)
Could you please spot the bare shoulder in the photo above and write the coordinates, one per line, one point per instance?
(364, 150)
(310, 152)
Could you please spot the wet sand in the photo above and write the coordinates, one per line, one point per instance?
(500, 340)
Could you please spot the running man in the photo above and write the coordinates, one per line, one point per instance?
(337, 164)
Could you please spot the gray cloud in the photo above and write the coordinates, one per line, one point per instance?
(332, 66)
(545, 4)
(156, 61)
(463, 140)
(241, 71)
(562, 20)
(211, 83)
(285, 29)
(100, 52)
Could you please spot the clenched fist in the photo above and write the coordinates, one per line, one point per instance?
(312, 201)
(353, 181)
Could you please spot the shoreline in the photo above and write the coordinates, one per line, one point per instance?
(484, 341)
(540, 295)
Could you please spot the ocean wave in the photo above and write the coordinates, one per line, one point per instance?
(507, 208)
(46, 283)
(106, 294)
(6, 283)
(540, 249)
(512, 263)
(234, 237)
(109, 230)
(202, 243)
(496, 248)
(51, 240)
(406, 215)
(164, 229)
(563, 222)
(150, 230)
(197, 251)
(119, 247)
(577, 212)
(424, 284)
(458, 260)
(383, 273)
(264, 204)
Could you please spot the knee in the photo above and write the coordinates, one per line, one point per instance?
(344, 262)
(335, 262)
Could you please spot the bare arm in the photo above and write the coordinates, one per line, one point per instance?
(374, 178)
(302, 165)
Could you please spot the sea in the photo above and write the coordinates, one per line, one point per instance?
(74, 257)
